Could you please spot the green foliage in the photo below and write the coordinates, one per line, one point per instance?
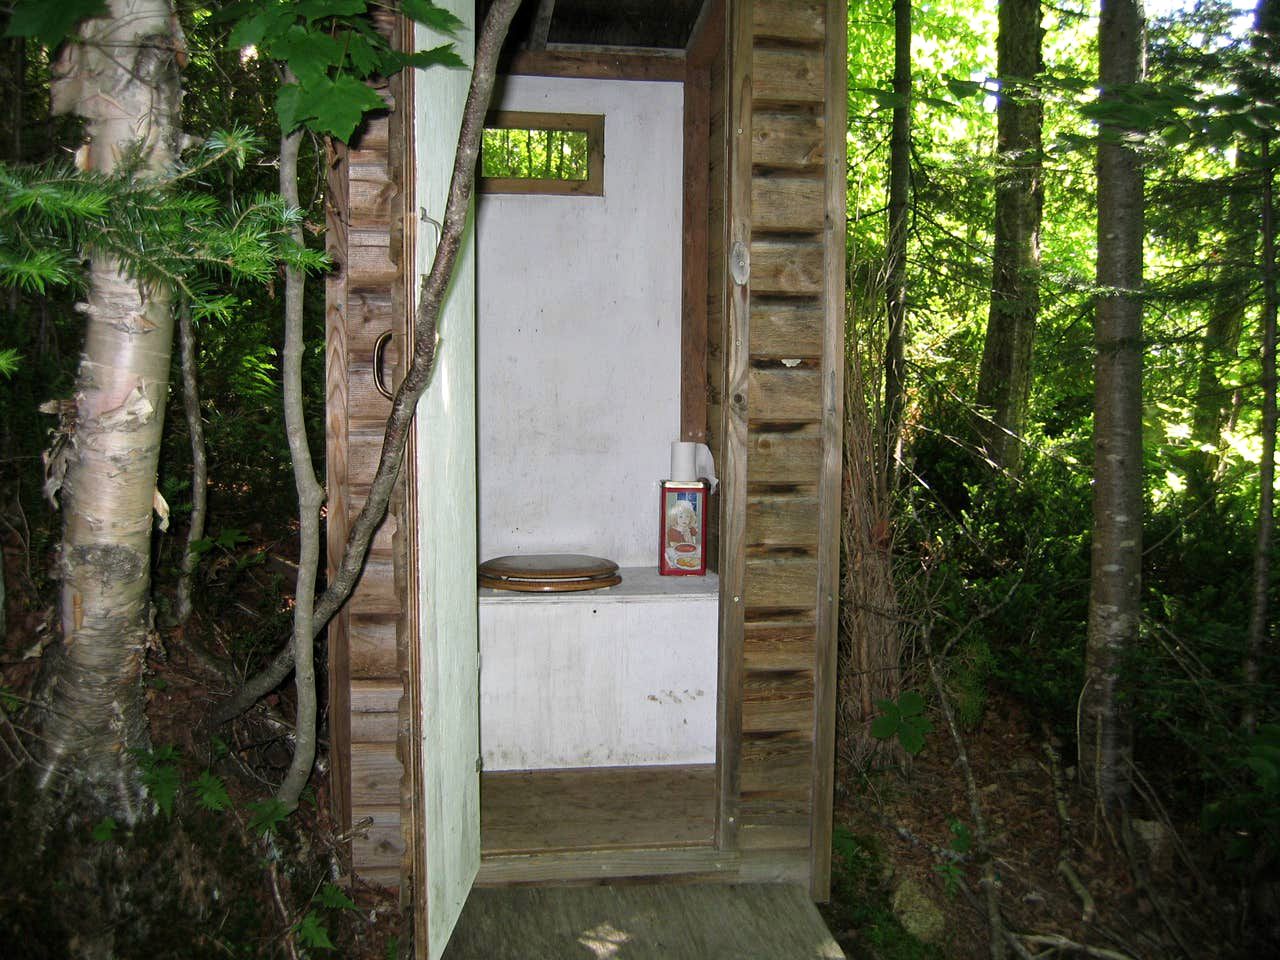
(105, 830)
(50, 23)
(161, 776)
(266, 815)
(210, 791)
(330, 51)
(902, 718)
(312, 933)
(331, 897)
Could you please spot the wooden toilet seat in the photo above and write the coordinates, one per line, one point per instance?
(549, 573)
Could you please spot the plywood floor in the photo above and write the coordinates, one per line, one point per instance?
(601, 808)
(643, 922)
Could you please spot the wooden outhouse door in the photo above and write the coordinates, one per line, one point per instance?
(442, 535)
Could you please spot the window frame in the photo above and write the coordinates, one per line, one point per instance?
(592, 124)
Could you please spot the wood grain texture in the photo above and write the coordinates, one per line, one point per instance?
(782, 395)
(779, 645)
(787, 140)
(600, 866)
(788, 267)
(787, 329)
(781, 582)
(375, 775)
(798, 21)
(787, 204)
(829, 489)
(596, 65)
(337, 517)
(775, 702)
(733, 427)
(378, 843)
(792, 456)
(776, 772)
(643, 922)
(786, 75)
(693, 320)
(778, 520)
(597, 808)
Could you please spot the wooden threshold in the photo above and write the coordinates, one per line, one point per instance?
(597, 809)
(649, 922)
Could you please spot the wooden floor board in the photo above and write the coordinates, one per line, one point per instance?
(642, 922)
(599, 808)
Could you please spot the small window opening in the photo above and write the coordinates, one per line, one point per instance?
(550, 153)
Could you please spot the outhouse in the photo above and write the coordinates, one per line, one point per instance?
(669, 266)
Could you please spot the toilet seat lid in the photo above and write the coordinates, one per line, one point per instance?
(544, 567)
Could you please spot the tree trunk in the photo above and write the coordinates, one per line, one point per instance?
(1004, 383)
(1257, 632)
(1116, 575)
(123, 79)
(1266, 28)
(896, 248)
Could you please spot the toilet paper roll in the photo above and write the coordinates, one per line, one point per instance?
(692, 461)
(684, 461)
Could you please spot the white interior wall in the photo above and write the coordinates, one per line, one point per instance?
(579, 335)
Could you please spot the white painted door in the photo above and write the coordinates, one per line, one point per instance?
(446, 471)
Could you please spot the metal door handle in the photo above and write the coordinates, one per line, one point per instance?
(379, 348)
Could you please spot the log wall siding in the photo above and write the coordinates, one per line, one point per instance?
(365, 297)
(791, 101)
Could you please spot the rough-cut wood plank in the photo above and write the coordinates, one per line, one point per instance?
(371, 190)
(782, 520)
(775, 832)
(374, 727)
(787, 140)
(777, 702)
(375, 696)
(379, 843)
(786, 329)
(733, 427)
(375, 775)
(596, 808)
(782, 394)
(798, 21)
(829, 490)
(778, 867)
(373, 647)
(787, 76)
(577, 866)
(379, 595)
(790, 582)
(693, 326)
(776, 772)
(593, 65)
(785, 457)
(773, 645)
(643, 922)
(337, 517)
(787, 204)
(788, 267)
(388, 877)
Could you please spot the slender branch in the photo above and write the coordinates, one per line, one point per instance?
(310, 496)
(431, 298)
(199, 462)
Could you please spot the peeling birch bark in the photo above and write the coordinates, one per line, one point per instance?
(121, 75)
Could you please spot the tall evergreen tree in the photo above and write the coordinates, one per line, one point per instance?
(1115, 576)
(1004, 383)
